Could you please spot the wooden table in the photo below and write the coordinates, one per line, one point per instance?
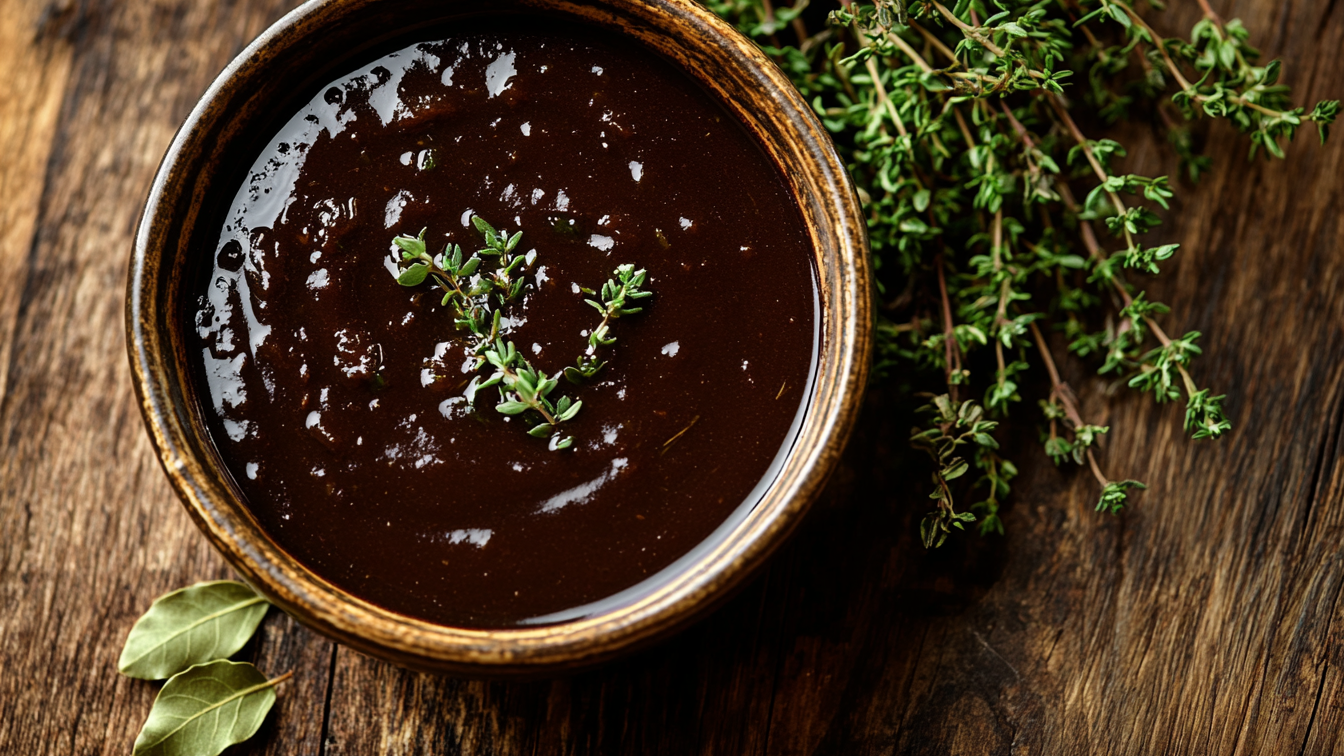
(1206, 620)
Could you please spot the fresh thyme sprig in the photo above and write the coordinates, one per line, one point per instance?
(958, 127)
(953, 426)
(478, 295)
(454, 276)
(523, 388)
(504, 277)
(626, 286)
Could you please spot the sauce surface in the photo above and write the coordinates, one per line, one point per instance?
(335, 396)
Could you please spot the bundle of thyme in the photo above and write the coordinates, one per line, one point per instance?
(995, 219)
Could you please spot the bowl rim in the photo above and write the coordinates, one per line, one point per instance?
(844, 286)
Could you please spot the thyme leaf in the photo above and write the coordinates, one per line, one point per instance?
(625, 287)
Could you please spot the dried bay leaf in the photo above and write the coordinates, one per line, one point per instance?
(193, 625)
(206, 709)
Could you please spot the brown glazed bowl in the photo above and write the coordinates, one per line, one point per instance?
(307, 48)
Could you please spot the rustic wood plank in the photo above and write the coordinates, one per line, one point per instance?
(91, 530)
(1206, 620)
(297, 725)
(33, 71)
(682, 697)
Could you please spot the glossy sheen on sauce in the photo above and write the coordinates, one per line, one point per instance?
(393, 487)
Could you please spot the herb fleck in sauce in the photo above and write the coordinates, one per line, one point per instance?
(335, 397)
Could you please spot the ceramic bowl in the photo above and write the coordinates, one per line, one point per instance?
(312, 45)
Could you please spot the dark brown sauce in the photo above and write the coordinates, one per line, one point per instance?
(318, 372)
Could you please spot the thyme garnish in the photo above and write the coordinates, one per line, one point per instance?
(478, 296)
(524, 388)
(958, 126)
(626, 286)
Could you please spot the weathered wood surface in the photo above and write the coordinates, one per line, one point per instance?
(1206, 620)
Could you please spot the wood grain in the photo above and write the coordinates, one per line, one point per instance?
(1206, 620)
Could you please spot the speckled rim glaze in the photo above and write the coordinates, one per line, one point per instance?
(296, 53)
